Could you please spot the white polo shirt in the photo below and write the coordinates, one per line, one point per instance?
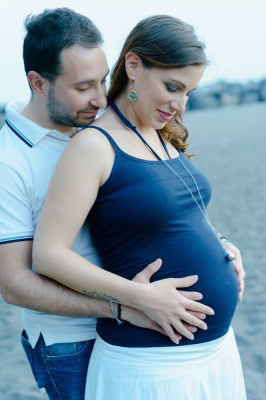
(28, 155)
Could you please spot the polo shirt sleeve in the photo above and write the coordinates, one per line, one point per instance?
(16, 222)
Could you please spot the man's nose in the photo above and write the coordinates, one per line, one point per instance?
(99, 100)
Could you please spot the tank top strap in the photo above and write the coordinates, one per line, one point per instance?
(107, 135)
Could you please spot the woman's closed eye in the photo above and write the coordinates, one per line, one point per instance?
(171, 88)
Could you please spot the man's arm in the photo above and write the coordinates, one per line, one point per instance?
(22, 287)
(19, 285)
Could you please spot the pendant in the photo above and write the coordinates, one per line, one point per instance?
(229, 256)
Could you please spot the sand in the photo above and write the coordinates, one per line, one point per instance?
(230, 145)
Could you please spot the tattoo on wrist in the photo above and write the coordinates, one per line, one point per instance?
(100, 296)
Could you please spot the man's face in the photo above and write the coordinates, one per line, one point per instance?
(79, 91)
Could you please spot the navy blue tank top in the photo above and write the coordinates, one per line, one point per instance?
(142, 212)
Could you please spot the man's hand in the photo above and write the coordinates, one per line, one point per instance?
(138, 318)
(239, 269)
(192, 311)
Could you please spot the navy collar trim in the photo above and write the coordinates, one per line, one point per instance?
(19, 134)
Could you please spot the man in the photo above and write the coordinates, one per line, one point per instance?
(67, 82)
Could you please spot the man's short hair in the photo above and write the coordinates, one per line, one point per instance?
(48, 33)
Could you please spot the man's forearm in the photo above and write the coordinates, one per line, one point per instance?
(39, 293)
(20, 286)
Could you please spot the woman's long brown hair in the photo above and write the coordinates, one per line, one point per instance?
(164, 42)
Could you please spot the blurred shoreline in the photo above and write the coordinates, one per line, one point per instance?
(215, 94)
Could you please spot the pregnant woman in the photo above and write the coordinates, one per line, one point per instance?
(145, 198)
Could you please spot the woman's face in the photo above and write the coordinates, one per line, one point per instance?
(163, 92)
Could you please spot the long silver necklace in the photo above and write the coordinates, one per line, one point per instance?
(229, 256)
(201, 206)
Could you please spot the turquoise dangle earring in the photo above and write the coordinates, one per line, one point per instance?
(132, 95)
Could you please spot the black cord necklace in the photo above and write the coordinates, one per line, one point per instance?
(228, 255)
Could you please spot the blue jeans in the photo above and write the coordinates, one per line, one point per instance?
(60, 368)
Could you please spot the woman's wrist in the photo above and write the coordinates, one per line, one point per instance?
(137, 294)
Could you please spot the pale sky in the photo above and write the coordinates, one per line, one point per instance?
(234, 32)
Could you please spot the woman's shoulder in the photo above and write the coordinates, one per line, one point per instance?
(99, 135)
(91, 138)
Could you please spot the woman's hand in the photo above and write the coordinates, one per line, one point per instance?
(239, 269)
(144, 277)
(177, 312)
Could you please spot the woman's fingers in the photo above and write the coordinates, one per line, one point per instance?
(241, 286)
(198, 307)
(238, 266)
(180, 327)
(190, 328)
(198, 314)
(191, 320)
(184, 282)
(175, 312)
(239, 269)
(145, 275)
(175, 337)
(191, 304)
(191, 295)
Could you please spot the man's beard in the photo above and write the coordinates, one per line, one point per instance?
(59, 114)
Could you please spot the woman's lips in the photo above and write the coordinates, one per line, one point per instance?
(165, 116)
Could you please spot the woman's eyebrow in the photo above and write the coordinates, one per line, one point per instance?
(179, 83)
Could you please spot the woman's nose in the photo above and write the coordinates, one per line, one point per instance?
(179, 104)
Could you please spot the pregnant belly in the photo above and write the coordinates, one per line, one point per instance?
(191, 254)
(199, 254)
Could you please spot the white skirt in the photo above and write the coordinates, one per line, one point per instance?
(205, 371)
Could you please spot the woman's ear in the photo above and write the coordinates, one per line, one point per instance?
(133, 65)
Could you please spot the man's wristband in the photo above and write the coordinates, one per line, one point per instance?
(116, 313)
(119, 312)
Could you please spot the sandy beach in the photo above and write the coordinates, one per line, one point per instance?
(230, 144)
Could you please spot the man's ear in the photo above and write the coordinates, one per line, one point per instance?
(37, 83)
(133, 65)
